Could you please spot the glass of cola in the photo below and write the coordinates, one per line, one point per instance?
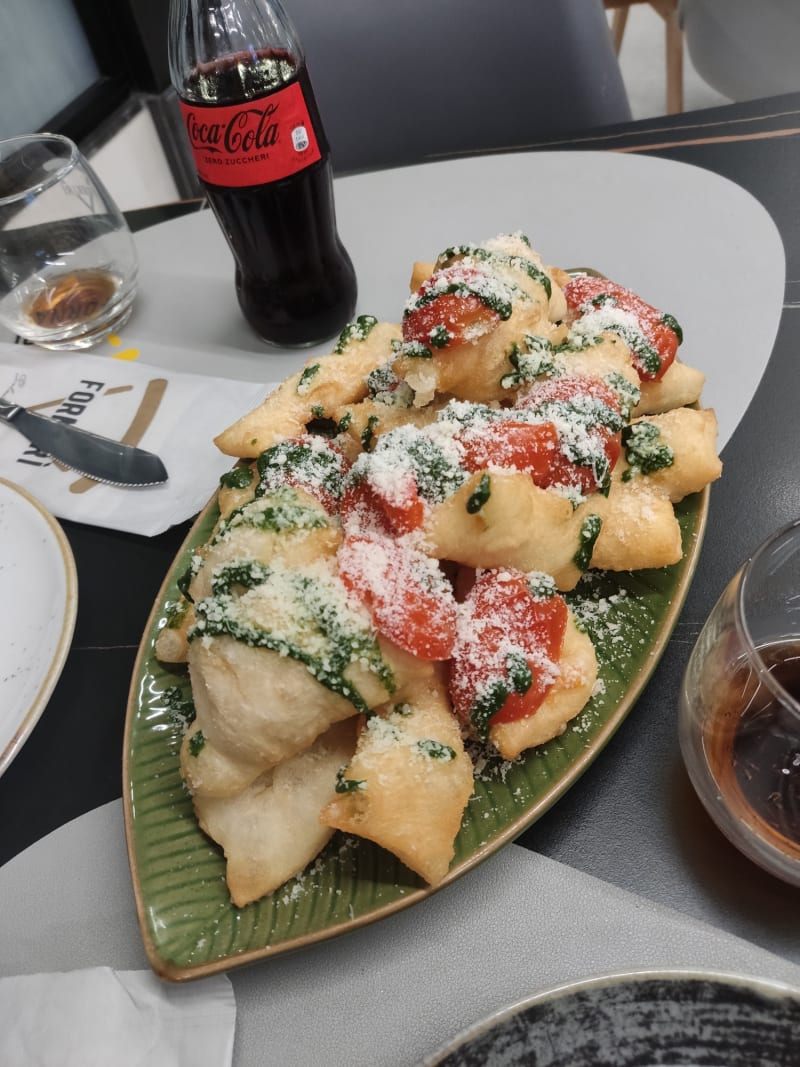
(67, 260)
(740, 708)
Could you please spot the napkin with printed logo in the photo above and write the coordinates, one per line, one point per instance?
(99, 1016)
(173, 414)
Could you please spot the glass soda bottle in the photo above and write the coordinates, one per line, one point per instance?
(262, 157)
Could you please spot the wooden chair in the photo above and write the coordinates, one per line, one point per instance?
(668, 10)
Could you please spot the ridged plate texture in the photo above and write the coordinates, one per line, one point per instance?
(189, 926)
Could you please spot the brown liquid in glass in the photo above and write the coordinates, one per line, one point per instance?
(753, 745)
(72, 298)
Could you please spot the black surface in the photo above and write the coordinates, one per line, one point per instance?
(633, 1023)
(633, 818)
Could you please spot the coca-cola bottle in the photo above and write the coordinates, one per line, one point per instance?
(261, 155)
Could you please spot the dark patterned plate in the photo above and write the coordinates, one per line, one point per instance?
(639, 1020)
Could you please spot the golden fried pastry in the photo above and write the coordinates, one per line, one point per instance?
(272, 830)
(321, 387)
(384, 580)
(409, 764)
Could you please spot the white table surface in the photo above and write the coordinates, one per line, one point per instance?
(687, 240)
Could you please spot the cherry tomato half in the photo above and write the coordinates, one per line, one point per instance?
(448, 319)
(587, 292)
(408, 597)
(504, 621)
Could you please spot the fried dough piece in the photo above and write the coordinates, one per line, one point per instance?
(278, 654)
(609, 356)
(324, 384)
(639, 528)
(368, 419)
(518, 526)
(254, 709)
(231, 497)
(474, 371)
(257, 706)
(577, 667)
(409, 781)
(681, 385)
(287, 524)
(172, 641)
(691, 434)
(272, 829)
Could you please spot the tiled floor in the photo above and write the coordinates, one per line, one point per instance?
(136, 174)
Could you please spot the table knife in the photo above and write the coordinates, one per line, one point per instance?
(97, 457)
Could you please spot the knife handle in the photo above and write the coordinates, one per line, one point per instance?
(8, 410)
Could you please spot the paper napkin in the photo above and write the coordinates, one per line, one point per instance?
(173, 414)
(98, 1017)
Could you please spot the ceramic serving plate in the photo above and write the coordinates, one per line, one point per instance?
(631, 1020)
(39, 595)
(189, 926)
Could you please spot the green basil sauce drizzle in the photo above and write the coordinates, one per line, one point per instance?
(536, 361)
(216, 618)
(499, 258)
(317, 466)
(175, 614)
(348, 785)
(309, 373)
(645, 452)
(238, 478)
(590, 531)
(482, 493)
(517, 680)
(674, 325)
(179, 707)
(489, 299)
(277, 511)
(436, 750)
(359, 330)
(368, 433)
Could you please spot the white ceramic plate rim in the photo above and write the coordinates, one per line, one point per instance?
(26, 715)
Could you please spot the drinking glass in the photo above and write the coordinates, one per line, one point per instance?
(67, 259)
(740, 709)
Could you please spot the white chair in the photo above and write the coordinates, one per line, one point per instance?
(744, 48)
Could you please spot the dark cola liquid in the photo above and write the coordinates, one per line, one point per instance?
(755, 748)
(294, 280)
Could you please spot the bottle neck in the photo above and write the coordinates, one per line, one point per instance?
(221, 51)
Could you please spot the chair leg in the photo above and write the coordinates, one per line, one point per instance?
(618, 27)
(674, 59)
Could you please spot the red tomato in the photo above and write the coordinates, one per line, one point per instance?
(503, 620)
(371, 508)
(523, 446)
(408, 597)
(449, 319)
(576, 390)
(585, 293)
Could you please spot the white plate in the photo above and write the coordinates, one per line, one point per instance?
(38, 604)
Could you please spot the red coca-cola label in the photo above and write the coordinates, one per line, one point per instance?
(255, 142)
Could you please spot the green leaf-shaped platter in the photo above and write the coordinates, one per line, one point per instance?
(189, 925)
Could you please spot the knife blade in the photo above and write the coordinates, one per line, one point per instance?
(88, 453)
